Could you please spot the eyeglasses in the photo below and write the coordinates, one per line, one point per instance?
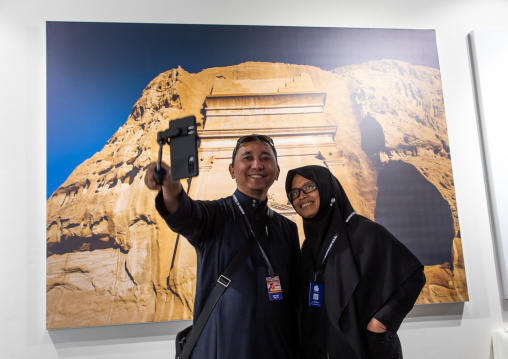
(306, 188)
(253, 137)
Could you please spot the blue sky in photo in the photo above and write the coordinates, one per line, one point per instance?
(97, 71)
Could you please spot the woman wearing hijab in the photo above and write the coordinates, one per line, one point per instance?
(358, 281)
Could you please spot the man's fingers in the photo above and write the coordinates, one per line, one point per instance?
(149, 180)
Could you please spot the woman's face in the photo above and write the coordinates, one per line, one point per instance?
(306, 204)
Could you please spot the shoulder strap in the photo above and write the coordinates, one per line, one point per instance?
(222, 284)
(270, 214)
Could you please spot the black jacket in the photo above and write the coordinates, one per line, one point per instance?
(244, 324)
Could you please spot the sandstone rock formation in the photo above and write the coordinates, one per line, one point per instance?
(111, 258)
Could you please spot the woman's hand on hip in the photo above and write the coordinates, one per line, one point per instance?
(376, 326)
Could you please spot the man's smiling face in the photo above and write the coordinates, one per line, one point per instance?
(255, 169)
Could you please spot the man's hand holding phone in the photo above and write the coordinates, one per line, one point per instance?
(183, 140)
(171, 189)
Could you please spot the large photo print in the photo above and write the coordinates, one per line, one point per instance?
(365, 103)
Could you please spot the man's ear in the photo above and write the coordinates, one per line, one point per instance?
(278, 172)
(231, 171)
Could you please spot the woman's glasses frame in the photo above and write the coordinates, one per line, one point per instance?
(307, 188)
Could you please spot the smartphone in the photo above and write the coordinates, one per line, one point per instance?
(184, 148)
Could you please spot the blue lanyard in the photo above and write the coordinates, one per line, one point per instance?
(334, 239)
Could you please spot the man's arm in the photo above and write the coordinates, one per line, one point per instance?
(195, 220)
(171, 190)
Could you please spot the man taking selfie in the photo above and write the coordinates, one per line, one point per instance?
(256, 316)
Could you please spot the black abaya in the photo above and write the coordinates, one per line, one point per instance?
(367, 273)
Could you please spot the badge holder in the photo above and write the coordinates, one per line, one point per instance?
(316, 293)
(274, 288)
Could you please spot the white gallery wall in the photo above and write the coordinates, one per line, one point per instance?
(489, 55)
(453, 330)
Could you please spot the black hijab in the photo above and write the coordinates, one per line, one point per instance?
(365, 265)
(334, 208)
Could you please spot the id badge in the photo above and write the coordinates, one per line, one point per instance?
(315, 295)
(274, 288)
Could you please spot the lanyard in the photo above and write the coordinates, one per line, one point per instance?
(265, 257)
(316, 274)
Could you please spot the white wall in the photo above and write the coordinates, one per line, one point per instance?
(440, 330)
(489, 54)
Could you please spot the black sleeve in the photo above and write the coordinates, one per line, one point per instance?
(395, 309)
(193, 219)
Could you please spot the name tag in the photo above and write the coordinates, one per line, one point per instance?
(315, 295)
(274, 288)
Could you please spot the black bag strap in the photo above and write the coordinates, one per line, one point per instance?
(222, 284)
(270, 215)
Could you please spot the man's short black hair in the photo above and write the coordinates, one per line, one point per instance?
(250, 138)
